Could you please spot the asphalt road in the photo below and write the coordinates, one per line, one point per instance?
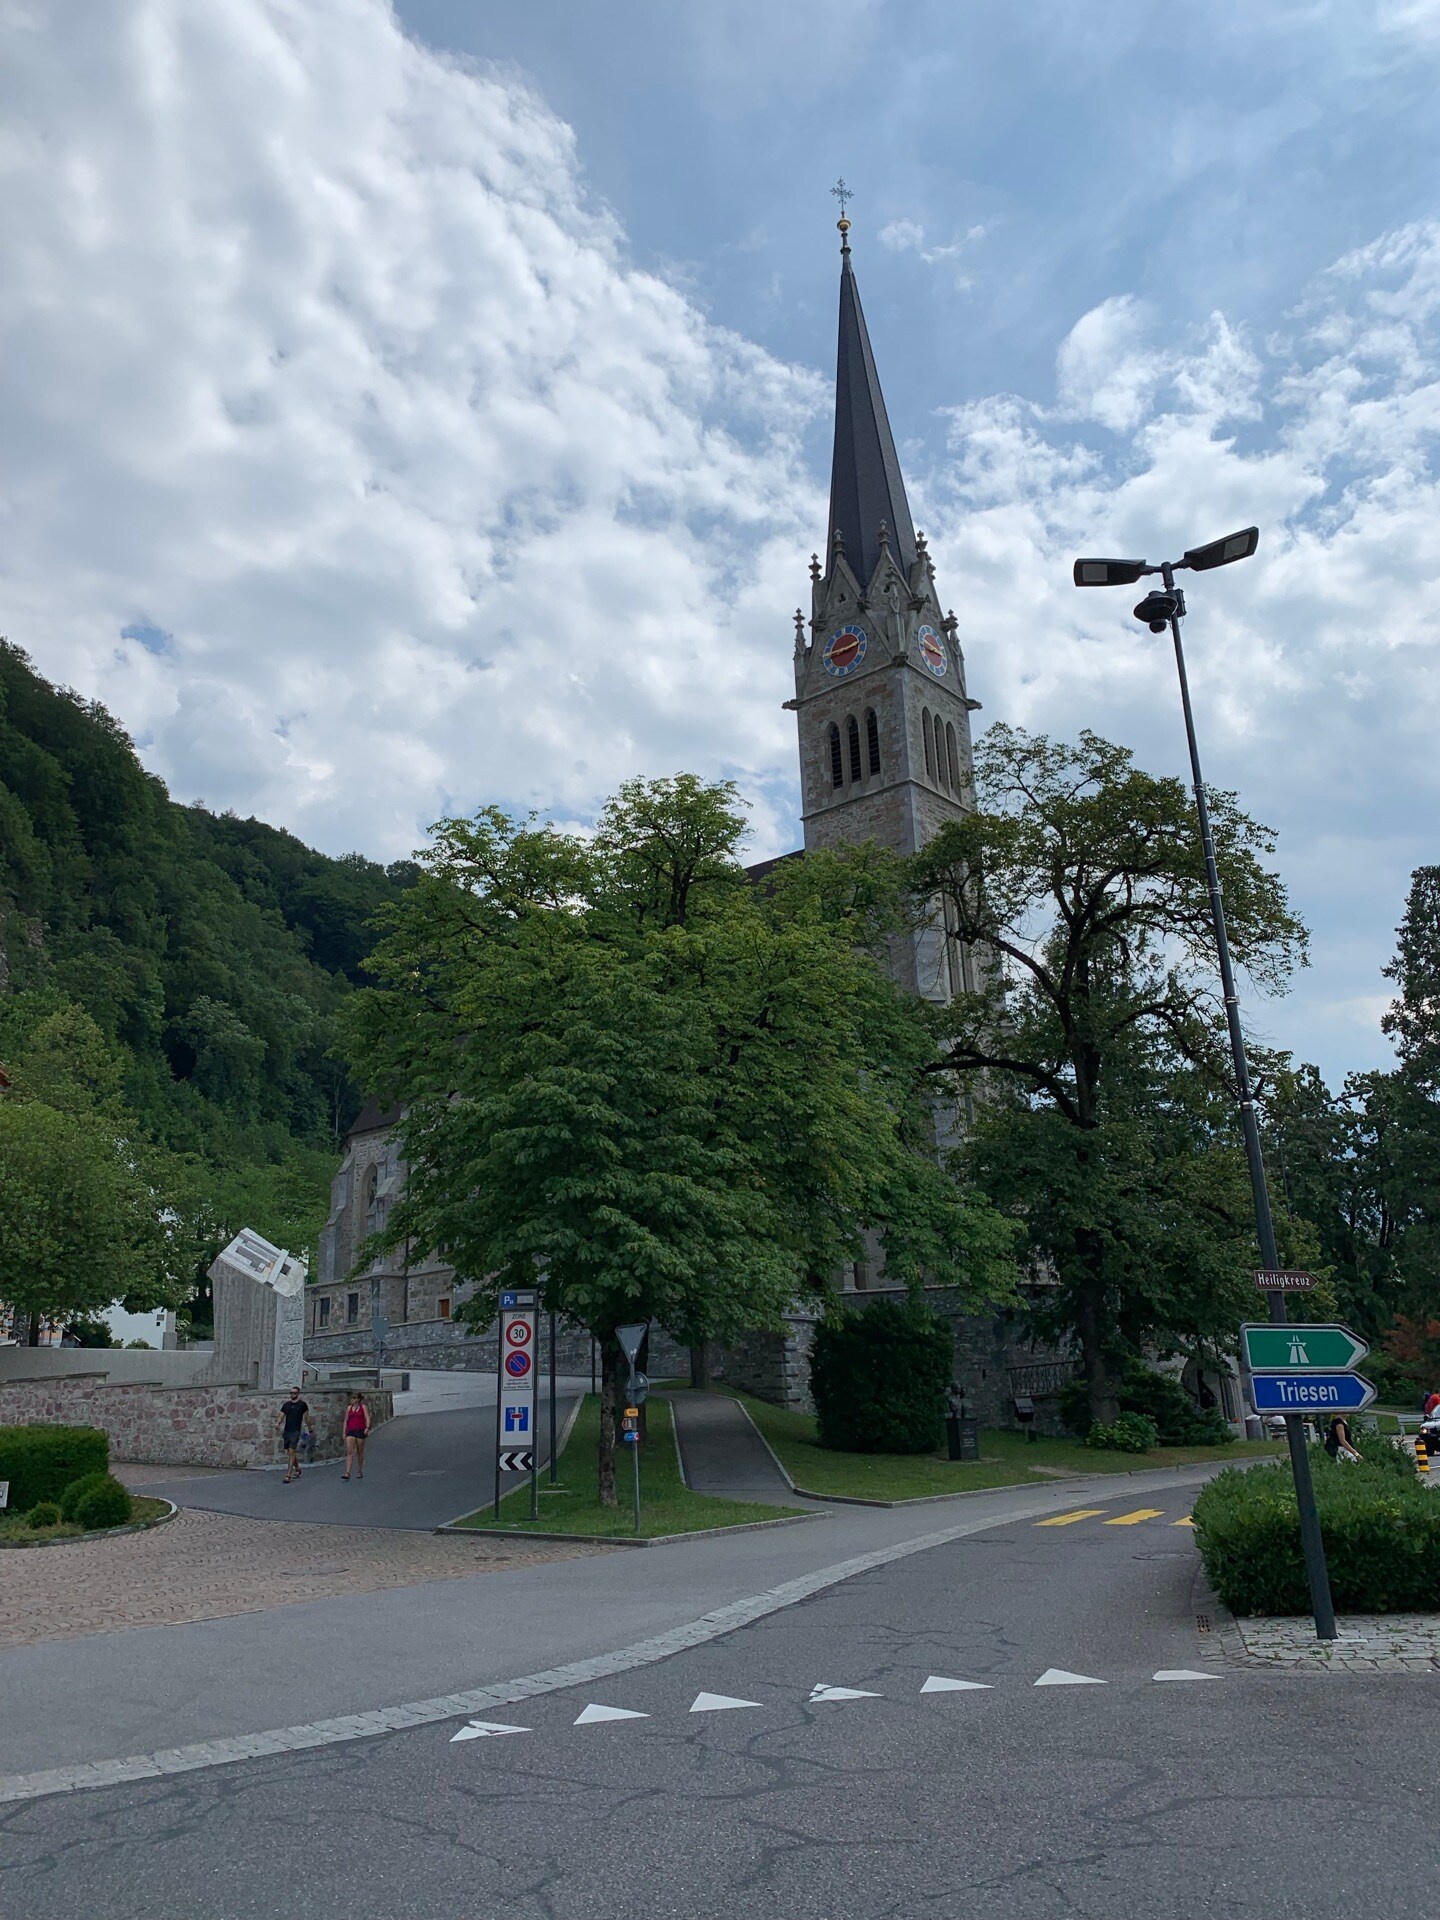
(1233, 1795)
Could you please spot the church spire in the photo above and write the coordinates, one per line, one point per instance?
(866, 487)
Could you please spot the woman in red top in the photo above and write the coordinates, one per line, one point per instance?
(357, 1425)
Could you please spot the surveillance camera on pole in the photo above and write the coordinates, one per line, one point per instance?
(1164, 607)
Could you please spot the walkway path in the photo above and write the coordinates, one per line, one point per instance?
(420, 1471)
(721, 1451)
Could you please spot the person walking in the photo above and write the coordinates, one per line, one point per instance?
(357, 1428)
(1337, 1440)
(290, 1421)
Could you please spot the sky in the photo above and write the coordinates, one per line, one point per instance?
(408, 408)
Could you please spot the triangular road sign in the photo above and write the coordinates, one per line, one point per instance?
(1183, 1673)
(1058, 1677)
(593, 1713)
(718, 1703)
(937, 1683)
(630, 1338)
(484, 1730)
(840, 1693)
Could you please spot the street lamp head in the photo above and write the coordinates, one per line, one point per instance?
(1108, 573)
(1219, 553)
(1158, 609)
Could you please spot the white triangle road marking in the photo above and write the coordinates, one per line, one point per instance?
(1058, 1677)
(937, 1683)
(593, 1713)
(718, 1703)
(840, 1693)
(1183, 1673)
(484, 1730)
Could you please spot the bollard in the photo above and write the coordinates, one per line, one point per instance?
(1422, 1454)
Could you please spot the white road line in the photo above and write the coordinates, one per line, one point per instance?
(485, 1730)
(589, 1716)
(937, 1683)
(719, 1703)
(1058, 1677)
(1183, 1673)
(840, 1693)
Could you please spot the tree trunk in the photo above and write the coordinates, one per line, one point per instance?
(611, 1360)
(700, 1365)
(32, 1338)
(1101, 1379)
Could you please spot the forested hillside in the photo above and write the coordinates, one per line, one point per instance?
(211, 954)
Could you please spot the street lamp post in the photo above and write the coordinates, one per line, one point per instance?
(1161, 609)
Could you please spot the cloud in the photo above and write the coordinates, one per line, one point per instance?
(353, 463)
(1313, 666)
(908, 236)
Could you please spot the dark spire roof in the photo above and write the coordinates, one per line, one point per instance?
(866, 487)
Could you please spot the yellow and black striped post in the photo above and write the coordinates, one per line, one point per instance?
(1422, 1454)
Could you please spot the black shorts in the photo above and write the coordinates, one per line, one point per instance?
(289, 1439)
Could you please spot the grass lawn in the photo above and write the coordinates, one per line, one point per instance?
(666, 1504)
(16, 1530)
(1006, 1460)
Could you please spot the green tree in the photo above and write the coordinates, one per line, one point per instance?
(657, 1091)
(1094, 1028)
(82, 1223)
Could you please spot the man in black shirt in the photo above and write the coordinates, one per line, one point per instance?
(293, 1415)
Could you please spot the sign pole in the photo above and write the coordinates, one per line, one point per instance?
(554, 1463)
(499, 1417)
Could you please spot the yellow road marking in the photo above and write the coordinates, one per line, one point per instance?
(1186, 1522)
(1134, 1519)
(1069, 1519)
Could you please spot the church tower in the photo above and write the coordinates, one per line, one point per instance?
(880, 694)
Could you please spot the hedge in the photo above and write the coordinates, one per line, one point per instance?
(105, 1503)
(1178, 1421)
(41, 1461)
(1381, 1528)
(879, 1376)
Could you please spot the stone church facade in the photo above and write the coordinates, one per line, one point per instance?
(883, 714)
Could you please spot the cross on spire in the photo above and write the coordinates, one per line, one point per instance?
(844, 195)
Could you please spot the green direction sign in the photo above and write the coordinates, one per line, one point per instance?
(1298, 1348)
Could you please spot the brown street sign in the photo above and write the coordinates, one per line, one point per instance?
(1281, 1280)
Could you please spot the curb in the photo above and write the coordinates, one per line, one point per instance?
(100, 1533)
(628, 1539)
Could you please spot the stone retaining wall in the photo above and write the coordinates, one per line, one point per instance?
(450, 1346)
(214, 1426)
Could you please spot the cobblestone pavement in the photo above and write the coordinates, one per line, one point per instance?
(1368, 1643)
(208, 1566)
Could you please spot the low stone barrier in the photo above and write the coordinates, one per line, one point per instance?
(213, 1426)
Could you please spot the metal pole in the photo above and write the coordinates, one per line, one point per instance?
(554, 1464)
(634, 1447)
(535, 1408)
(1313, 1545)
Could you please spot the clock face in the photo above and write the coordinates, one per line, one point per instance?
(844, 651)
(932, 651)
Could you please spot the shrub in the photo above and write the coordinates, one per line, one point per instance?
(105, 1504)
(45, 1513)
(76, 1491)
(1382, 1537)
(1178, 1421)
(879, 1375)
(1128, 1433)
(40, 1461)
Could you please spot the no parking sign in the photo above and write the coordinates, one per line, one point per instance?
(515, 1412)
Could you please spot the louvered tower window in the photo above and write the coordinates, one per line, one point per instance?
(954, 753)
(837, 766)
(872, 739)
(852, 741)
(929, 743)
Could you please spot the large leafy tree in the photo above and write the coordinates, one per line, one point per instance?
(653, 1088)
(1094, 1028)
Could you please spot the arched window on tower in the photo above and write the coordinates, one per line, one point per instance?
(954, 755)
(852, 740)
(872, 739)
(837, 766)
(929, 743)
(940, 760)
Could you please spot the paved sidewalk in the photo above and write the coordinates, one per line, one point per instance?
(211, 1566)
(721, 1451)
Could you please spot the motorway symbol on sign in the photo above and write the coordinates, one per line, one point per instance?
(1298, 1347)
(1311, 1392)
(517, 1365)
(516, 1460)
(1283, 1280)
